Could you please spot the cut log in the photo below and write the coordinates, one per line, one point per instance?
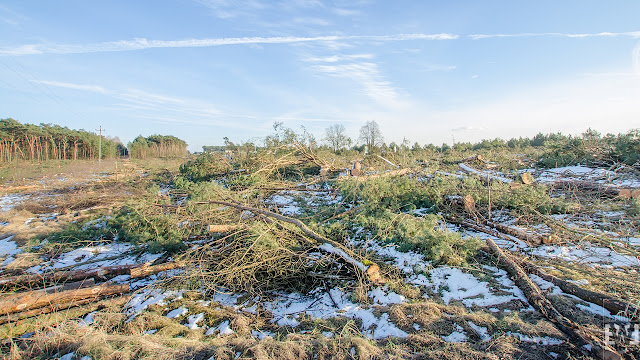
(43, 310)
(577, 334)
(220, 228)
(465, 202)
(36, 299)
(469, 203)
(527, 178)
(147, 270)
(484, 176)
(323, 241)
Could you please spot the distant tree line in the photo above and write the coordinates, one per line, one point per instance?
(590, 147)
(157, 146)
(52, 142)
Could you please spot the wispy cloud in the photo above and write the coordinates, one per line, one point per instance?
(151, 102)
(632, 34)
(91, 88)
(367, 75)
(141, 95)
(337, 58)
(142, 43)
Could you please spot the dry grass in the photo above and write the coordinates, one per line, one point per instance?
(260, 257)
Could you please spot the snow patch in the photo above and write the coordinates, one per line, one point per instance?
(453, 284)
(483, 332)
(144, 299)
(177, 312)
(9, 247)
(223, 329)
(587, 254)
(457, 336)
(379, 296)
(286, 308)
(193, 320)
(8, 202)
(546, 340)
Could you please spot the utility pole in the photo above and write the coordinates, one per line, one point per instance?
(100, 130)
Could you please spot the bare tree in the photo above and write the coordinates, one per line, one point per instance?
(336, 137)
(370, 135)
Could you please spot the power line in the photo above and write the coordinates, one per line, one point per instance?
(24, 93)
(57, 98)
(39, 82)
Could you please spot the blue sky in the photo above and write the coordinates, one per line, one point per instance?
(427, 71)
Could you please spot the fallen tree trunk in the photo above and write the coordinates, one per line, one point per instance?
(35, 299)
(43, 310)
(614, 305)
(576, 333)
(59, 276)
(484, 176)
(102, 273)
(146, 270)
(372, 272)
(533, 239)
(481, 228)
(603, 190)
(387, 161)
(501, 231)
